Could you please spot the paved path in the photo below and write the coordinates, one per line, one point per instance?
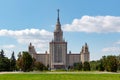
(9, 72)
(96, 72)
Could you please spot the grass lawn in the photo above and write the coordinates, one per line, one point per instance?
(59, 76)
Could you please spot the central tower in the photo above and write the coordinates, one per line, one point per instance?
(58, 48)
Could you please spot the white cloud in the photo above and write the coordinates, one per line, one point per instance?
(8, 46)
(111, 49)
(97, 24)
(118, 42)
(39, 38)
(27, 32)
(114, 49)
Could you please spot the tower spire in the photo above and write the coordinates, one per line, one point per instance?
(58, 21)
(58, 25)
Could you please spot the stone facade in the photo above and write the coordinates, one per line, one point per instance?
(58, 58)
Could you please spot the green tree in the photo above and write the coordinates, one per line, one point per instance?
(26, 62)
(78, 66)
(112, 64)
(86, 66)
(101, 67)
(19, 62)
(2, 54)
(33, 63)
(94, 65)
(4, 64)
(118, 59)
(12, 62)
(103, 62)
(40, 66)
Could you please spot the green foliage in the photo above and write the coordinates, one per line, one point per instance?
(110, 63)
(101, 67)
(78, 66)
(12, 62)
(97, 65)
(118, 59)
(2, 54)
(25, 62)
(4, 64)
(94, 65)
(39, 66)
(86, 66)
(19, 62)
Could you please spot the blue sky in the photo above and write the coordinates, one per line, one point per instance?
(96, 22)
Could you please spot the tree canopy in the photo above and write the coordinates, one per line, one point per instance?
(25, 61)
(86, 66)
(12, 62)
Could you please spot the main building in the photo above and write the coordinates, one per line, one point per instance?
(57, 57)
